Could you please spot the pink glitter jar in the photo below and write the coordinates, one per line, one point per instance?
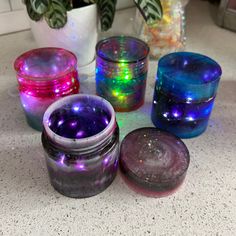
(45, 75)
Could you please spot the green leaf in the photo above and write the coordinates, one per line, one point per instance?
(107, 10)
(68, 5)
(56, 16)
(40, 6)
(150, 9)
(89, 1)
(32, 14)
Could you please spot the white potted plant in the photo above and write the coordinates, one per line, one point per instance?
(72, 24)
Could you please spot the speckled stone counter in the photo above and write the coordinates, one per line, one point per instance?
(204, 205)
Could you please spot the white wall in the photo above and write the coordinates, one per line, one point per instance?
(4, 6)
(12, 16)
(10, 5)
(124, 3)
(16, 4)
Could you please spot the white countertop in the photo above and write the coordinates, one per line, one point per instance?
(205, 204)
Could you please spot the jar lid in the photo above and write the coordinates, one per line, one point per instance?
(153, 162)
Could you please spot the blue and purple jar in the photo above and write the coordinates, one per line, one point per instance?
(184, 93)
(81, 143)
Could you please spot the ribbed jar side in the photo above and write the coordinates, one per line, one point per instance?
(121, 71)
(44, 75)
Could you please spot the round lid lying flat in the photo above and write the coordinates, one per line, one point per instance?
(153, 162)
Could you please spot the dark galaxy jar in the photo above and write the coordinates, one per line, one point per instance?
(81, 142)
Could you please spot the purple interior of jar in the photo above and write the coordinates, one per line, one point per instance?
(122, 49)
(45, 63)
(81, 119)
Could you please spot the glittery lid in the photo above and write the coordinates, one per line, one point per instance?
(154, 160)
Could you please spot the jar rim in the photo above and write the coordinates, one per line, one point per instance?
(27, 54)
(172, 78)
(141, 42)
(81, 143)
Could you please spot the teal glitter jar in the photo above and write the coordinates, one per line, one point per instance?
(184, 93)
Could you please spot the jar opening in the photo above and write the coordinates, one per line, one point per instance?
(122, 49)
(79, 121)
(45, 63)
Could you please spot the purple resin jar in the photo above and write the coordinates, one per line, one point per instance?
(81, 142)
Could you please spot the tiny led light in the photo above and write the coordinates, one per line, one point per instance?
(62, 159)
(116, 93)
(185, 62)
(165, 114)
(176, 114)
(189, 99)
(80, 134)
(80, 166)
(60, 122)
(106, 160)
(76, 108)
(73, 123)
(190, 118)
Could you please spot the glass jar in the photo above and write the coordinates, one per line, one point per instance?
(121, 71)
(45, 75)
(81, 143)
(184, 93)
(167, 35)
